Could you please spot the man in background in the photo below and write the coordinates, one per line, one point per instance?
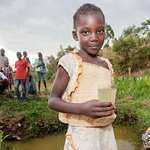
(3, 58)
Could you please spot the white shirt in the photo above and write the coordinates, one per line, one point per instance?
(2, 76)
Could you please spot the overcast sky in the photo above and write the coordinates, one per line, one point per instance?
(43, 25)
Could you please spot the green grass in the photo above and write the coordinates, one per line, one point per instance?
(35, 114)
(133, 102)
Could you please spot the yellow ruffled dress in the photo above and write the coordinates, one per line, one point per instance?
(85, 133)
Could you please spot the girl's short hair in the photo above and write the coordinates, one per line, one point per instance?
(85, 9)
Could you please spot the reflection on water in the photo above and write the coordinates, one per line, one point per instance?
(125, 137)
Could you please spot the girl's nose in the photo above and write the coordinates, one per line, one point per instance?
(94, 38)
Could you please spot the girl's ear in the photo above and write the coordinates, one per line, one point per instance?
(75, 35)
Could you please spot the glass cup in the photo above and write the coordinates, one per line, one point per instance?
(107, 94)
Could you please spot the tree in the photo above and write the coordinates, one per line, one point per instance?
(145, 27)
(69, 49)
(128, 31)
(64, 51)
(109, 33)
(51, 66)
(143, 30)
(61, 52)
(125, 47)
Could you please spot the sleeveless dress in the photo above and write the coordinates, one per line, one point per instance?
(85, 133)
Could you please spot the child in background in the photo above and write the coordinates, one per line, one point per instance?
(25, 56)
(75, 90)
(20, 77)
(7, 70)
(40, 68)
(29, 79)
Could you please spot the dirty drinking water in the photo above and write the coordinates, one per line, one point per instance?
(126, 140)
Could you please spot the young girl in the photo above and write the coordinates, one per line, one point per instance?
(41, 69)
(8, 73)
(75, 90)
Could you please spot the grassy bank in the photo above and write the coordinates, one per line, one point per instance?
(31, 119)
(133, 102)
(34, 118)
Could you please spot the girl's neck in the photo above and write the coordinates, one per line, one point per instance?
(92, 59)
(84, 54)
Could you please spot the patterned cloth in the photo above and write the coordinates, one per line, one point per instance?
(42, 68)
(82, 138)
(83, 86)
(8, 75)
(146, 138)
(85, 133)
(3, 59)
(38, 69)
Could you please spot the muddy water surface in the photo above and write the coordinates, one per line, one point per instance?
(126, 140)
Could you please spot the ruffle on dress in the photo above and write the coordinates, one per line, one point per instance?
(73, 65)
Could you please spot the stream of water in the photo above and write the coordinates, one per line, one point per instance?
(126, 140)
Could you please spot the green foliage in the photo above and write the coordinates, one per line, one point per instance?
(36, 114)
(52, 62)
(106, 45)
(140, 31)
(69, 49)
(53, 77)
(143, 54)
(51, 66)
(128, 31)
(124, 47)
(133, 52)
(132, 102)
(60, 53)
(134, 87)
(145, 28)
(3, 146)
(109, 33)
(64, 51)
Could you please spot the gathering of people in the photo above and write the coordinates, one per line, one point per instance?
(22, 75)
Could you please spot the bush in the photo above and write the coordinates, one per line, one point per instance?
(132, 53)
(106, 45)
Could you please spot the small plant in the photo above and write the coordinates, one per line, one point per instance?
(3, 146)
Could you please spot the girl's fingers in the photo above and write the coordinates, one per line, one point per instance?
(103, 109)
(104, 114)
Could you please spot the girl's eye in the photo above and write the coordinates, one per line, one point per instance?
(100, 31)
(85, 32)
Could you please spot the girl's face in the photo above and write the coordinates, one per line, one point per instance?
(90, 32)
(40, 55)
(7, 64)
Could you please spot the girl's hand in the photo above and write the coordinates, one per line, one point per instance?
(95, 109)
